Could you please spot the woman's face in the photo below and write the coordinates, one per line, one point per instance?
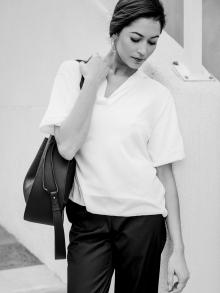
(138, 40)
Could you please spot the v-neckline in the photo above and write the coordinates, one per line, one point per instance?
(108, 100)
(120, 86)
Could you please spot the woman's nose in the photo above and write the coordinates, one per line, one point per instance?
(142, 51)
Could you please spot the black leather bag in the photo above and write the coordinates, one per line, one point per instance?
(46, 189)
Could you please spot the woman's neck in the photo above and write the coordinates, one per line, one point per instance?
(118, 67)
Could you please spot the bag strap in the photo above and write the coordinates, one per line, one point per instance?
(59, 235)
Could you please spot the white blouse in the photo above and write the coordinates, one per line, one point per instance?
(132, 131)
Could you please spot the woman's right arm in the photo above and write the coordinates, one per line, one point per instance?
(71, 134)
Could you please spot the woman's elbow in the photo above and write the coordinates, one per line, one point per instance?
(64, 149)
(66, 153)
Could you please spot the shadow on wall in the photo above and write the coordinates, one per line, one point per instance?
(174, 18)
(211, 30)
(211, 36)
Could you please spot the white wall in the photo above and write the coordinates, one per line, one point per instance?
(36, 37)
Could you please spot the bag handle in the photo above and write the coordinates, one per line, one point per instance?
(59, 235)
(46, 188)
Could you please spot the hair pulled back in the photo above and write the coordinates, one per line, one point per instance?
(127, 11)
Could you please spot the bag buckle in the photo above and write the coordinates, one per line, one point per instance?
(54, 200)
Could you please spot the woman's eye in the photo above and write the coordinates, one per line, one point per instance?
(135, 40)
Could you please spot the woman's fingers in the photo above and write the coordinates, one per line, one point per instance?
(170, 278)
(178, 283)
(178, 287)
(108, 58)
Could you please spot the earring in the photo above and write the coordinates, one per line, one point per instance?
(113, 45)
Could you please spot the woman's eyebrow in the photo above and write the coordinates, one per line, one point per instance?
(142, 35)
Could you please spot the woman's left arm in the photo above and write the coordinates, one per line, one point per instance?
(177, 266)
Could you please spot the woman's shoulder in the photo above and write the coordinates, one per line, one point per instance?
(158, 89)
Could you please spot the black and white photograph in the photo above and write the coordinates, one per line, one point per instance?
(110, 149)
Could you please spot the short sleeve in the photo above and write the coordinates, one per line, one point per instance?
(165, 144)
(64, 93)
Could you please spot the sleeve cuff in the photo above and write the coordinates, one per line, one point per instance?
(173, 157)
(47, 125)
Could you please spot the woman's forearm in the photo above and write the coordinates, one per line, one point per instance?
(166, 176)
(74, 129)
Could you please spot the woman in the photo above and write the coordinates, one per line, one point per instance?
(123, 131)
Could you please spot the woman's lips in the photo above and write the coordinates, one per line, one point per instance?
(137, 59)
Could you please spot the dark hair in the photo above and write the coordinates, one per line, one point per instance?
(126, 11)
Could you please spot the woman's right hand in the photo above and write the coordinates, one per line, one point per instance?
(97, 68)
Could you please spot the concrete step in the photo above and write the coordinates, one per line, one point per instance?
(55, 290)
(51, 290)
(13, 254)
(22, 272)
(33, 279)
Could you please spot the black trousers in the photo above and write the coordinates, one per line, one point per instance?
(100, 244)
